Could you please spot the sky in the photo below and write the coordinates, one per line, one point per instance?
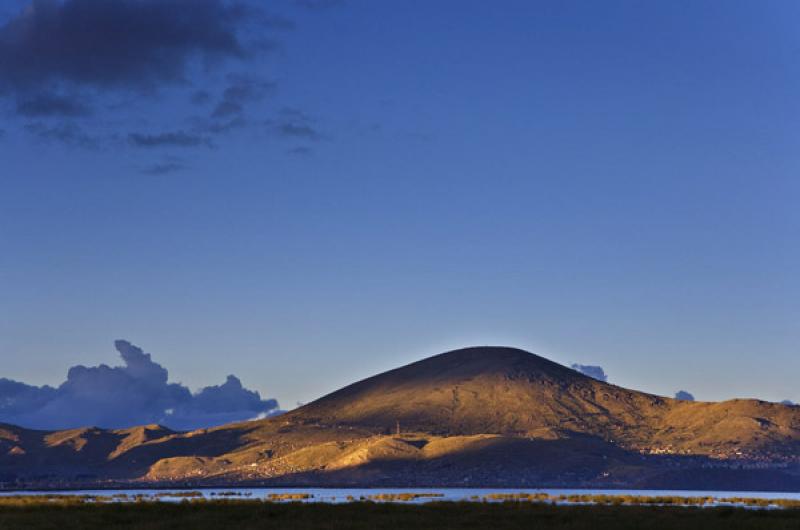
(303, 193)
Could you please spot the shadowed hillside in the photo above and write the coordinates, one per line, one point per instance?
(513, 392)
(486, 415)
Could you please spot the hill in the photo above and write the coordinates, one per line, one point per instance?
(513, 392)
(476, 416)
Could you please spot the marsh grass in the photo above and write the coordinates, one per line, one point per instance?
(282, 497)
(246, 515)
(402, 497)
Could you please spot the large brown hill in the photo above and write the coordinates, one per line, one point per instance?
(484, 415)
(510, 391)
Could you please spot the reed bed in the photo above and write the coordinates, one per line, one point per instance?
(240, 514)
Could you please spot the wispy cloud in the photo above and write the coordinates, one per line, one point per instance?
(292, 123)
(241, 90)
(300, 150)
(67, 133)
(169, 139)
(163, 168)
(318, 4)
(47, 104)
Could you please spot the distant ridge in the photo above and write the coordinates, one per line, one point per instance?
(482, 416)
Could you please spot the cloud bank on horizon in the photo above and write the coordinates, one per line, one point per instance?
(137, 393)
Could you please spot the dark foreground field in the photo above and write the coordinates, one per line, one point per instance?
(242, 515)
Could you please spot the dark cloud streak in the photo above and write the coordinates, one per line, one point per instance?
(91, 73)
(240, 91)
(66, 133)
(163, 168)
(45, 104)
(300, 150)
(227, 108)
(295, 130)
(131, 44)
(200, 97)
(295, 124)
(318, 4)
(168, 139)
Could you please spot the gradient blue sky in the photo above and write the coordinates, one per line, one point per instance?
(610, 183)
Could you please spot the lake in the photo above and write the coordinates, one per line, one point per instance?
(408, 495)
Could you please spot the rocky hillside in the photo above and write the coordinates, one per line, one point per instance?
(477, 416)
(513, 392)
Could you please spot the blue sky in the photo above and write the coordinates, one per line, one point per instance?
(610, 183)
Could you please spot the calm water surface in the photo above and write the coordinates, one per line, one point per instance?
(336, 495)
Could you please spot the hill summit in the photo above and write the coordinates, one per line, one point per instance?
(477, 390)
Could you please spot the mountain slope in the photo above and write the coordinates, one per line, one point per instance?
(510, 391)
(483, 390)
(486, 415)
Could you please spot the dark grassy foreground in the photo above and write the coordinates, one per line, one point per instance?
(243, 515)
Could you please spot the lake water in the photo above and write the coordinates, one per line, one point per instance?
(338, 495)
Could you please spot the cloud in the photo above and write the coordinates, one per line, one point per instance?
(119, 43)
(595, 372)
(240, 91)
(295, 124)
(136, 393)
(77, 58)
(221, 404)
(300, 151)
(275, 22)
(168, 139)
(16, 398)
(295, 114)
(683, 395)
(244, 88)
(200, 97)
(227, 108)
(146, 75)
(46, 104)
(318, 4)
(788, 402)
(230, 395)
(163, 168)
(228, 115)
(295, 130)
(66, 132)
(224, 126)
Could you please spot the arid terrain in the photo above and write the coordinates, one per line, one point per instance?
(485, 416)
